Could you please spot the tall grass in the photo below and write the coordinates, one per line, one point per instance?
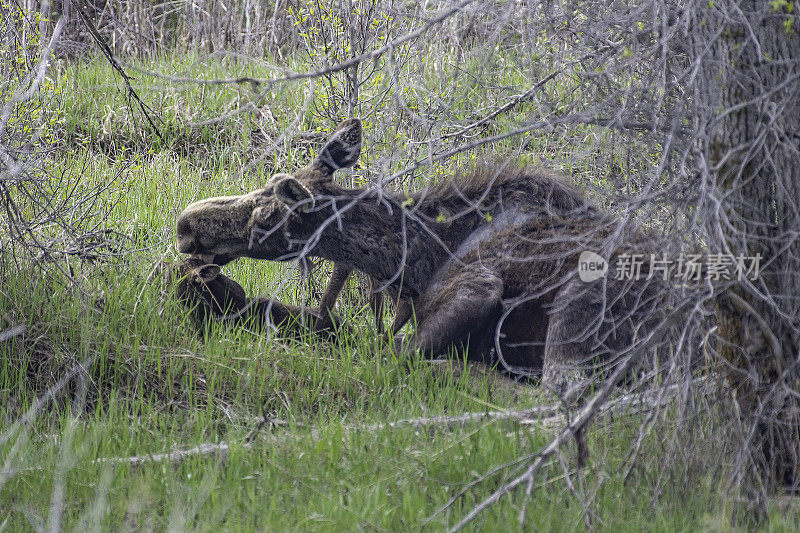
(160, 382)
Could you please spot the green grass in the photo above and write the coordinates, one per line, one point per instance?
(158, 383)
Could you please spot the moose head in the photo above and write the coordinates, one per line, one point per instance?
(276, 221)
(203, 287)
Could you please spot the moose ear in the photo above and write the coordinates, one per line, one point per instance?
(343, 148)
(295, 195)
(207, 273)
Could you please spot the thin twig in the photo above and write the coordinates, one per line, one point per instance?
(116, 66)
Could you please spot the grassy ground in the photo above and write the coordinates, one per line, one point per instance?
(158, 382)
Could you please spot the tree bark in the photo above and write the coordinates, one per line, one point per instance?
(747, 103)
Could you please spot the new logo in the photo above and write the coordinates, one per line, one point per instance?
(591, 266)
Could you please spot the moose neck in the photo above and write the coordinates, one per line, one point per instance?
(380, 237)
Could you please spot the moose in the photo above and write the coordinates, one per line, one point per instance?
(486, 261)
(212, 295)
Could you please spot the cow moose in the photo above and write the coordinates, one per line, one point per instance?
(488, 260)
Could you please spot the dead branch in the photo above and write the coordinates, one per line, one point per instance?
(101, 43)
(12, 332)
(581, 420)
(373, 55)
(544, 416)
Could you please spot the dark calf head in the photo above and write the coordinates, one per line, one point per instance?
(266, 224)
(204, 288)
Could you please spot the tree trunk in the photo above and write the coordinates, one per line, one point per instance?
(747, 98)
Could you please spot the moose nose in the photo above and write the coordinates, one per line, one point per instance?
(186, 244)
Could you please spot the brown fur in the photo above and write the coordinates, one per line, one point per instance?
(213, 296)
(487, 259)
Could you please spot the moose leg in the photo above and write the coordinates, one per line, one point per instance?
(332, 291)
(403, 311)
(335, 285)
(376, 304)
(593, 326)
(572, 346)
(462, 311)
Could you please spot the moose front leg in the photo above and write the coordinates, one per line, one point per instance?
(376, 303)
(461, 312)
(335, 285)
(403, 311)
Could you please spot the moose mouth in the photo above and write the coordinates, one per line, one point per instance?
(213, 259)
(188, 245)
